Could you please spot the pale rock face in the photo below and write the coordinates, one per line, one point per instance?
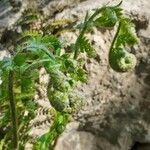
(8, 16)
(72, 139)
(3, 54)
(76, 140)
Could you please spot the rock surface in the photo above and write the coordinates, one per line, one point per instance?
(117, 106)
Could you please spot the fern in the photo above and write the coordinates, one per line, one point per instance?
(108, 18)
(127, 33)
(85, 46)
(34, 40)
(61, 120)
(19, 75)
(102, 17)
(119, 59)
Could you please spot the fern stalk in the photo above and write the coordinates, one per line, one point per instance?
(115, 37)
(12, 109)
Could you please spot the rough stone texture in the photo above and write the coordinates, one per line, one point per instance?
(72, 139)
(79, 140)
(8, 15)
(117, 106)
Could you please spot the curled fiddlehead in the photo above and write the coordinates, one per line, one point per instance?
(120, 59)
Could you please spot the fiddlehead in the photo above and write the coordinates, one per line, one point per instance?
(120, 60)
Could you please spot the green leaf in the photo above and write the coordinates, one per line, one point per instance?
(58, 52)
(108, 18)
(51, 40)
(6, 64)
(121, 61)
(35, 47)
(85, 46)
(127, 34)
(49, 43)
(20, 59)
(36, 64)
(2, 143)
(44, 141)
(80, 75)
(59, 100)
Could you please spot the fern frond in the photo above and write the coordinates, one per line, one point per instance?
(51, 40)
(33, 41)
(108, 18)
(57, 26)
(85, 46)
(25, 36)
(47, 40)
(118, 11)
(46, 141)
(121, 61)
(127, 34)
(30, 33)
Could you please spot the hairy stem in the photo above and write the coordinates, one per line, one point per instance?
(12, 109)
(115, 37)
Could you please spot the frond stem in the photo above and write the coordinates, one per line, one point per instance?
(115, 37)
(13, 109)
